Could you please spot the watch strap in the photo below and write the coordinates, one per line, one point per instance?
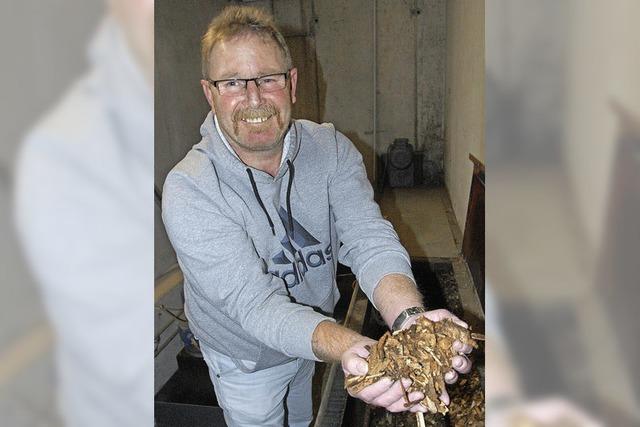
(404, 315)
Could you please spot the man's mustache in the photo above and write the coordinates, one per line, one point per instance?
(266, 110)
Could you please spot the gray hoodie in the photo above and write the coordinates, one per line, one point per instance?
(259, 253)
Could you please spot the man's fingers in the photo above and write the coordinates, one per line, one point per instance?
(461, 364)
(361, 351)
(460, 322)
(451, 377)
(372, 392)
(444, 397)
(461, 348)
(399, 405)
(392, 395)
(441, 314)
(419, 408)
(437, 315)
(354, 365)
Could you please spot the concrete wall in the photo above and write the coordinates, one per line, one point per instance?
(407, 44)
(464, 106)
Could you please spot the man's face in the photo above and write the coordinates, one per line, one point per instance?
(247, 57)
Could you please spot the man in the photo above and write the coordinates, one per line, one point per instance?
(259, 213)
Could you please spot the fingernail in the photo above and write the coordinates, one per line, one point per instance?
(362, 368)
(458, 363)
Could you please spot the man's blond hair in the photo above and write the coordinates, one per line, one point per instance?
(235, 21)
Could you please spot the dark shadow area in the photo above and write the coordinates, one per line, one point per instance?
(188, 399)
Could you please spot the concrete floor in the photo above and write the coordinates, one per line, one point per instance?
(423, 219)
(427, 227)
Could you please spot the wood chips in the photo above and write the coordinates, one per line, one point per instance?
(467, 400)
(421, 353)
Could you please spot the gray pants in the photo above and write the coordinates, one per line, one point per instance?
(259, 398)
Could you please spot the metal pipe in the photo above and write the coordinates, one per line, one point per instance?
(416, 68)
(165, 283)
(375, 89)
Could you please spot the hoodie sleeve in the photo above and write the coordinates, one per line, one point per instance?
(221, 265)
(370, 245)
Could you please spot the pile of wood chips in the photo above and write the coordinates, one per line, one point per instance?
(421, 353)
(467, 400)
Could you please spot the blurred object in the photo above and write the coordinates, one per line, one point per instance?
(83, 211)
(551, 412)
(618, 269)
(473, 241)
(560, 270)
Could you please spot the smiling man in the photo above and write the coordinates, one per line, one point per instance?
(253, 114)
(259, 212)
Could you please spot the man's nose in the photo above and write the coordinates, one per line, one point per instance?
(253, 93)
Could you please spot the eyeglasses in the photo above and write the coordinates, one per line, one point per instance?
(236, 87)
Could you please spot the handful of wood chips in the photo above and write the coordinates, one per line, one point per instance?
(421, 353)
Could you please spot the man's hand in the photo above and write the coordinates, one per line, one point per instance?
(385, 392)
(461, 364)
(390, 394)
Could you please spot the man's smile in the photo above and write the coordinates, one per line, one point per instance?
(256, 120)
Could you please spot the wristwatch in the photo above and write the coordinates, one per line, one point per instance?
(404, 315)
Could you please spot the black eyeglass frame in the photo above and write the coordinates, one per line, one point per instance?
(215, 83)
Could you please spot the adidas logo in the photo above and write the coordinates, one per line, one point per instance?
(301, 252)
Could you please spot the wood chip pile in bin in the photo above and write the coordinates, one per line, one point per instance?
(421, 353)
(467, 400)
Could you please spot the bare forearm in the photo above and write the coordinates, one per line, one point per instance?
(331, 340)
(394, 293)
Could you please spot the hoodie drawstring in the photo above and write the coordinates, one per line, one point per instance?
(255, 193)
(264, 209)
(290, 214)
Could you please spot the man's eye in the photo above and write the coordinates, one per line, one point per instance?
(267, 80)
(231, 83)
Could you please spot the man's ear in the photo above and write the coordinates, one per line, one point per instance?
(208, 93)
(293, 76)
